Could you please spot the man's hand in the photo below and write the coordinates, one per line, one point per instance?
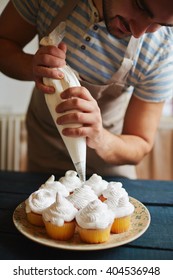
(46, 62)
(79, 107)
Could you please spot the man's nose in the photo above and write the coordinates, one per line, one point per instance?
(139, 28)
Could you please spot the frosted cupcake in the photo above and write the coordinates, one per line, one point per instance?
(97, 184)
(94, 222)
(59, 219)
(55, 186)
(110, 190)
(82, 196)
(71, 181)
(118, 201)
(36, 203)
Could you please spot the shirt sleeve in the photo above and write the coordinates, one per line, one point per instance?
(27, 9)
(154, 75)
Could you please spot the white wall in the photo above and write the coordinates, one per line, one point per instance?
(15, 95)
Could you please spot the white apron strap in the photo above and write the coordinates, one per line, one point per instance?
(62, 15)
(127, 62)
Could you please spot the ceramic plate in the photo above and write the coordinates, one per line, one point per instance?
(140, 221)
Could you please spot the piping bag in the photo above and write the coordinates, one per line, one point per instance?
(75, 146)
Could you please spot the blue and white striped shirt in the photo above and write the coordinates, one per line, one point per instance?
(96, 55)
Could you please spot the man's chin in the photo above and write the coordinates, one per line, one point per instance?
(118, 34)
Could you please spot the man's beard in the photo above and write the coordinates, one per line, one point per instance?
(106, 9)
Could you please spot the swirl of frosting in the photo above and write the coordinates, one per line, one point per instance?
(55, 186)
(114, 189)
(120, 211)
(60, 211)
(96, 215)
(82, 196)
(39, 200)
(121, 206)
(71, 181)
(118, 200)
(97, 184)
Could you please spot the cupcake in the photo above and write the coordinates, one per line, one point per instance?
(59, 219)
(97, 184)
(110, 189)
(82, 196)
(71, 181)
(55, 186)
(118, 201)
(94, 222)
(36, 203)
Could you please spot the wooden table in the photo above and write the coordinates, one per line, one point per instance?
(156, 243)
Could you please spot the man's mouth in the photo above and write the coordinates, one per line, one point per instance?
(122, 25)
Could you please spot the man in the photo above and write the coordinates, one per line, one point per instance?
(123, 53)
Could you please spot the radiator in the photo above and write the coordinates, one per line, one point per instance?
(12, 142)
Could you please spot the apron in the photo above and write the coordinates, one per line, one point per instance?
(46, 149)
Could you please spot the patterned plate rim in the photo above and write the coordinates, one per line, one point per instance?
(140, 221)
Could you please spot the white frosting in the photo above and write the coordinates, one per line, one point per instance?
(71, 181)
(118, 200)
(96, 215)
(39, 200)
(82, 196)
(55, 186)
(113, 189)
(60, 211)
(97, 184)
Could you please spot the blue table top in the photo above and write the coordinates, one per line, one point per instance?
(156, 243)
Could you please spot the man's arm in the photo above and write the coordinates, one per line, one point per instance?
(137, 138)
(15, 33)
